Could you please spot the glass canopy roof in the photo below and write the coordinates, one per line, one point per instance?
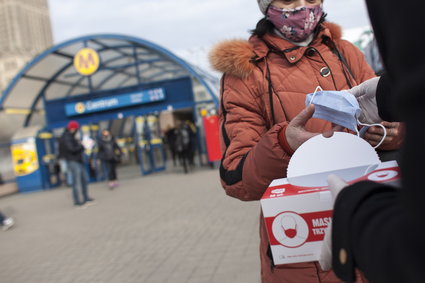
(125, 61)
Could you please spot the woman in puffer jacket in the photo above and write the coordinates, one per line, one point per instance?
(291, 52)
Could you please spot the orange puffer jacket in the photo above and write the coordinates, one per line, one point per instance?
(264, 86)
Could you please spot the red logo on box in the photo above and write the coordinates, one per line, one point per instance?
(292, 230)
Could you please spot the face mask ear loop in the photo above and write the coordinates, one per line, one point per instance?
(314, 94)
(358, 133)
(379, 125)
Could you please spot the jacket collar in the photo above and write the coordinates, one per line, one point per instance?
(238, 57)
(293, 53)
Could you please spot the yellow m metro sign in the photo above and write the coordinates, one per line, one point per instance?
(86, 61)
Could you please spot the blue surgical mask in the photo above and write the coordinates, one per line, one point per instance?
(340, 108)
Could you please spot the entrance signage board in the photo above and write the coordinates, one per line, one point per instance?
(114, 102)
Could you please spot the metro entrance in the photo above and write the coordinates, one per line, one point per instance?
(137, 107)
(103, 80)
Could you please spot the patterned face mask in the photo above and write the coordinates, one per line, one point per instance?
(295, 24)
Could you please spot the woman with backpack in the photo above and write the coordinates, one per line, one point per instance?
(263, 118)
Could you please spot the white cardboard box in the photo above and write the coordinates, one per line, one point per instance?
(296, 216)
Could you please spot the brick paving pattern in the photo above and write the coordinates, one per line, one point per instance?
(163, 228)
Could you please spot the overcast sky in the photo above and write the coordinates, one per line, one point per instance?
(180, 26)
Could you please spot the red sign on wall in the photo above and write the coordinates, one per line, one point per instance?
(212, 138)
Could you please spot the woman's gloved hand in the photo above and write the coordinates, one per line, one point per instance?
(365, 94)
(336, 184)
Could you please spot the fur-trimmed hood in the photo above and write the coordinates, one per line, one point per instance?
(236, 56)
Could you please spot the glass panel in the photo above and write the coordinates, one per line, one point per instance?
(78, 91)
(24, 93)
(146, 163)
(128, 127)
(200, 92)
(118, 61)
(130, 82)
(158, 156)
(9, 123)
(58, 132)
(73, 49)
(6, 163)
(94, 45)
(49, 66)
(56, 90)
(69, 74)
(113, 82)
(98, 79)
(116, 126)
(127, 50)
(107, 55)
(37, 119)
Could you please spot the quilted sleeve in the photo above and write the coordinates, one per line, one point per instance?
(252, 155)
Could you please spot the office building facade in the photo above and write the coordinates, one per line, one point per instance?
(25, 31)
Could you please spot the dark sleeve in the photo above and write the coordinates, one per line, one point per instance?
(375, 227)
(379, 228)
(73, 146)
(385, 100)
(374, 232)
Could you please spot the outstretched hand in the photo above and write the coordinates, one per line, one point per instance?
(296, 134)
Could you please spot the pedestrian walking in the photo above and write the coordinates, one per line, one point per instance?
(263, 118)
(72, 152)
(110, 154)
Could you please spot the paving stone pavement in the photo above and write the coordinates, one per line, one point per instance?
(166, 227)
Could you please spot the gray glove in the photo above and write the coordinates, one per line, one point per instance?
(365, 94)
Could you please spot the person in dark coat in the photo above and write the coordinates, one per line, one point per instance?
(110, 154)
(72, 151)
(378, 228)
(170, 136)
(192, 142)
(182, 144)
